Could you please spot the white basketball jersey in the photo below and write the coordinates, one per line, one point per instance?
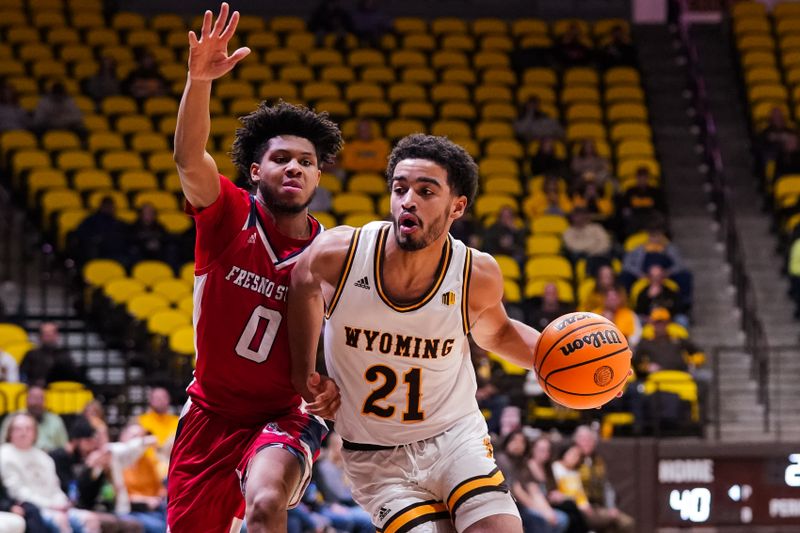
(403, 369)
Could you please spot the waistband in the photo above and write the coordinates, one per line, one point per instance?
(359, 447)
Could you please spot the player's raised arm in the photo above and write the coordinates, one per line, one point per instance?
(492, 328)
(208, 60)
(316, 272)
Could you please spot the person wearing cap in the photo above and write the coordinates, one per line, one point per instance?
(665, 350)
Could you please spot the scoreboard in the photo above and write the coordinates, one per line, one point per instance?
(760, 488)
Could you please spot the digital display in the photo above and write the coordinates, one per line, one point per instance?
(729, 491)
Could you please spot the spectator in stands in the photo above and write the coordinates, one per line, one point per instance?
(340, 508)
(51, 433)
(605, 280)
(599, 491)
(616, 310)
(588, 240)
(640, 203)
(540, 466)
(788, 159)
(589, 160)
(12, 115)
(465, 229)
(29, 474)
(534, 124)
(365, 153)
(504, 236)
(534, 509)
(159, 421)
(546, 161)
(57, 110)
(330, 18)
(140, 492)
(657, 250)
(12, 515)
(793, 268)
(588, 193)
(492, 399)
(657, 294)
(9, 370)
(771, 140)
(103, 235)
(145, 81)
(568, 479)
(618, 50)
(571, 48)
(149, 239)
(105, 82)
(543, 310)
(50, 361)
(551, 200)
(665, 351)
(369, 23)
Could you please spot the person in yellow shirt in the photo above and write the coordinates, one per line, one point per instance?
(616, 310)
(365, 153)
(160, 422)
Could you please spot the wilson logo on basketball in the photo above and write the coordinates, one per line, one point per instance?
(603, 376)
(596, 339)
(571, 320)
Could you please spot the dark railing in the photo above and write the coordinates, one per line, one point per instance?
(755, 339)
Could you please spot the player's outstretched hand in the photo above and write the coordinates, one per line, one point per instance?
(326, 396)
(208, 55)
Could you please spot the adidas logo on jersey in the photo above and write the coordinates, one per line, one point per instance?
(251, 239)
(383, 512)
(363, 283)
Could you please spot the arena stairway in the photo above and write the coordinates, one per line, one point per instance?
(762, 262)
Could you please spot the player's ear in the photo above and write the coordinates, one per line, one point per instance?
(254, 177)
(458, 207)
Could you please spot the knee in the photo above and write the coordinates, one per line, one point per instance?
(266, 503)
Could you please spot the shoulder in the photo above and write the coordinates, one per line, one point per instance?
(486, 279)
(333, 242)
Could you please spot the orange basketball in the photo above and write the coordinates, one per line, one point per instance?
(582, 360)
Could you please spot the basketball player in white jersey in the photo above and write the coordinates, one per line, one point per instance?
(400, 299)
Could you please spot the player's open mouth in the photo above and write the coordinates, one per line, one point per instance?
(408, 223)
(292, 186)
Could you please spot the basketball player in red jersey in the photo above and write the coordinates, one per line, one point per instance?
(244, 443)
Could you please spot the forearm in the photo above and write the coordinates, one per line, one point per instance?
(514, 342)
(305, 314)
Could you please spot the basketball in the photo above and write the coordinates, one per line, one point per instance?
(582, 360)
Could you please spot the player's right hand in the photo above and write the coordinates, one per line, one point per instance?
(208, 56)
(326, 396)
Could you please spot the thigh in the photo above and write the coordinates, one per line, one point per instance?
(203, 489)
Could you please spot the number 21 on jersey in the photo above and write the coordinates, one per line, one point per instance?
(412, 379)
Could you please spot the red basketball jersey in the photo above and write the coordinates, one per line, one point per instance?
(242, 268)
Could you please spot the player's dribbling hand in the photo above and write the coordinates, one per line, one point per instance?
(326, 396)
(208, 56)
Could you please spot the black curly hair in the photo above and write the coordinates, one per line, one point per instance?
(267, 122)
(462, 172)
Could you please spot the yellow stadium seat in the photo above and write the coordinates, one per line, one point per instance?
(634, 148)
(67, 221)
(98, 271)
(63, 400)
(378, 74)
(511, 291)
(505, 166)
(407, 58)
(462, 75)
(18, 350)
(755, 42)
(43, 179)
(584, 112)
(496, 43)
(416, 110)
(759, 58)
(458, 111)
(92, 178)
(186, 306)
(142, 306)
(490, 204)
(501, 184)
(56, 200)
(172, 289)
(72, 160)
(509, 267)
(494, 129)
(170, 21)
(357, 220)
(337, 74)
(444, 25)
(534, 288)
(326, 219)
(115, 161)
(577, 76)
(11, 334)
(553, 266)
(489, 26)
(571, 95)
(676, 382)
(504, 148)
(16, 140)
(406, 91)
(296, 74)
(128, 21)
(367, 183)
(151, 271)
(624, 93)
(498, 75)
(363, 91)
(498, 111)
(746, 26)
(165, 321)
(627, 113)
(303, 41)
(25, 160)
(555, 224)
(287, 24)
(320, 90)
(585, 130)
(187, 272)
(783, 10)
(21, 35)
(378, 109)
(786, 186)
(545, 94)
(118, 105)
(542, 244)
(398, 128)
(365, 57)
(60, 140)
(459, 42)
(175, 222)
(119, 199)
(12, 396)
(528, 26)
(630, 130)
(345, 203)
(616, 76)
(423, 75)
(181, 341)
(489, 93)
(628, 167)
(451, 128)
(760, 75)
(120, 290)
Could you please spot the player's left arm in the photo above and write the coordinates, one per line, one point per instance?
(492, 328)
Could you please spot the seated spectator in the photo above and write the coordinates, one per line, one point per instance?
(365, 153)
(771, 140)
(505, 237)
(657, 294)
(551, 200)
(57, 110)
(588, 194)
(340, 508)
(51, 433)
(547, 161)
(330, 18)
(640, 203)
(466, 230)
(665, 351)
(618, 50)
(788, 158)
(492, 399)
(572, 48)
(9, 370)
(29, 474)
(50, 361)
(588, 160)
(543, 310)
(12, 515)
(617, 311)
(102, 235)
(605, 280)
(536, 512)
(588, 240)
(599, 491)
(159, 421)
(145, 81)
(149, 239)
(12, 115)
(660, 251)
(534, 124)
(105, 82)
(793, 268)
(369, 23)
(568, 479)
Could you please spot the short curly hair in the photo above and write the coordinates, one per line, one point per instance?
(462, 172)
(267, 122)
